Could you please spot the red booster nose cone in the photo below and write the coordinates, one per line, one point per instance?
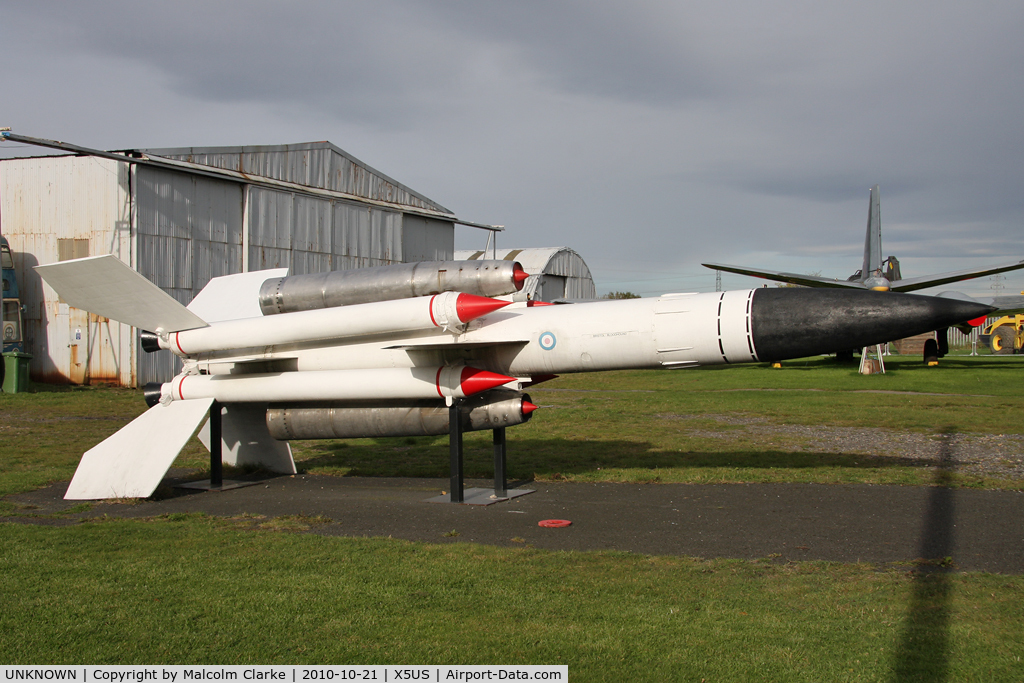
(528, 407)
(470, 306)
(473, 381)
(519, 276)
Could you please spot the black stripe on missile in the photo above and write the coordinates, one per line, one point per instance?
(750, 339)
(721, 346)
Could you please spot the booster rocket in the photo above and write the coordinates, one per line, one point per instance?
(382, 351)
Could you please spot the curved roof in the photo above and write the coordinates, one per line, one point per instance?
(544, 261)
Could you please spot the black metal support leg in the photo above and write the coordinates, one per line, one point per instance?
(455, 446)
(500, 475)
(216, 462)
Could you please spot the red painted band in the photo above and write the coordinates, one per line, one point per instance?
(177, 342)
(430, 308)
(437, 382)
(181, 394)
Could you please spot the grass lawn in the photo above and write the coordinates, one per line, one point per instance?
(189, 589)
(192, 589)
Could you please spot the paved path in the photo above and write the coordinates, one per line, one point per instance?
(980, 530)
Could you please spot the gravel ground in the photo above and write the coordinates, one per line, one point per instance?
(991, 455)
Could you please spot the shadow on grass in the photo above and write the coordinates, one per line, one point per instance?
(552, 457)
(923, 650)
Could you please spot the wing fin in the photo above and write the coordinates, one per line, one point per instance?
(791, 278)
(915, 283)
(448, 346)
(232, 297)
(245, 439)
(132, 462)
(106, 286)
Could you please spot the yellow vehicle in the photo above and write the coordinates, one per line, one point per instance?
(1004, 336)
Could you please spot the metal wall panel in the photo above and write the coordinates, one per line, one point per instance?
(316, 164)
(180, 229)
(189, 231)
(308, 235)
(427, 239)
(83, 202)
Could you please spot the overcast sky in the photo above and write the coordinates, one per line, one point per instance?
(647, 136)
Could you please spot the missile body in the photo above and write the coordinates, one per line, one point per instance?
(490, 410)
(444, 310)
(456, 381)
(367, 363)
(384, 283)
(672, 331)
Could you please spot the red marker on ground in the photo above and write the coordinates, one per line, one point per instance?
(554, 523)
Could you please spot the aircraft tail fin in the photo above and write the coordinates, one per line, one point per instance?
(132, 462)
(873, 240)
(106, 286)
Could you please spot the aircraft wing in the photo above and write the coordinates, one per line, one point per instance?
(447, 346)
(915, 283)
(1007, 302)
(791, 278)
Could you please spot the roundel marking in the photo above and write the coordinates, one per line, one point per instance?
(547, 341)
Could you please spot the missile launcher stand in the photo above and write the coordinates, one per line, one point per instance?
(475, 496)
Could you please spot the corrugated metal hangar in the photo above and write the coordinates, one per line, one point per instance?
(183, 216)
(555, 272)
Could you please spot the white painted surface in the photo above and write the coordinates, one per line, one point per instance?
(384, 317)
(245, 439)
(233, 297)
(131, 463)
(331, 385)
(105, 286)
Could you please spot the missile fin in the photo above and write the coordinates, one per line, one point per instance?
(132, 462)
(246, 440)
(106, 286)
(232, 297)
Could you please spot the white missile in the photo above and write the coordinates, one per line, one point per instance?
(456, 381)
(446, 310)
(672, 331)
(403, 352)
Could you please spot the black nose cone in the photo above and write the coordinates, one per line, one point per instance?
(796, 322)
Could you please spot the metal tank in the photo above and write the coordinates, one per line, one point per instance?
(385, 283)
(492, 410)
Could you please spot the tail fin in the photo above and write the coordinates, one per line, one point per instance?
(231, 297)
(245, 439)
(131, 463)
(105, 286)
(873, 240)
